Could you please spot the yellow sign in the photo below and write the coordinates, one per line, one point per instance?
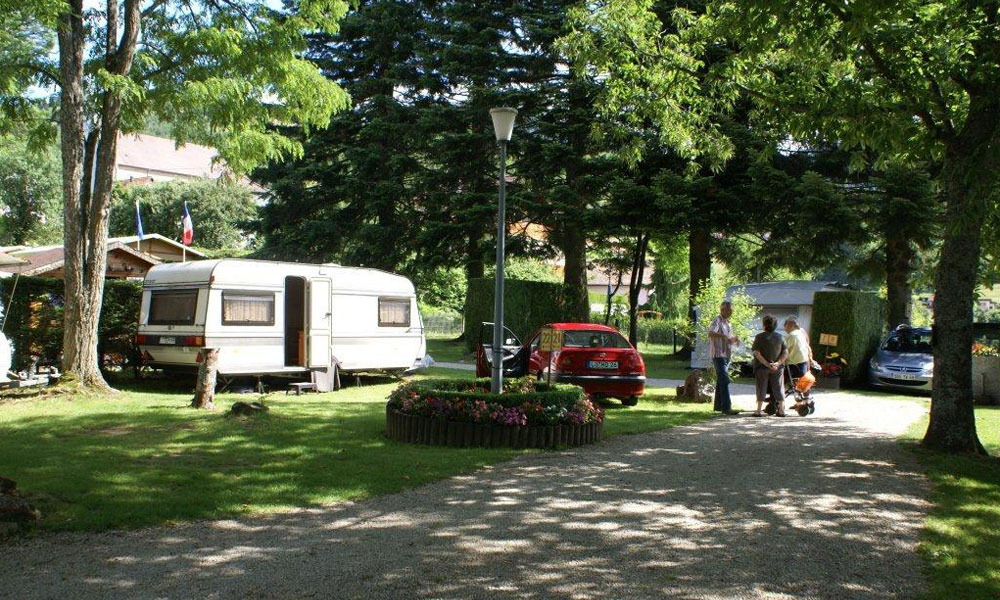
(552, 339)
(827, 339)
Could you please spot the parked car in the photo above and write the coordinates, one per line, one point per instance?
(595, 357)
(904, 360)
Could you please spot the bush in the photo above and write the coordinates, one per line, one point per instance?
(35, 320)
(857, 319)
(524, 402)
(661, 331)
(527, 306)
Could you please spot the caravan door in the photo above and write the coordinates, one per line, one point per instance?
(319, 322)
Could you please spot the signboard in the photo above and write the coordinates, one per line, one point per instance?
(827, 339)
(552, 339)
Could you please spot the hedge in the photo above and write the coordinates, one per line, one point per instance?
(527, 306)
(525, 401)
(35, 320)
(858, 320)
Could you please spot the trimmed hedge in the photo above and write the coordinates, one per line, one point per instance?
(525, 401)
(527, 306)
(35, 320)
(858, 319)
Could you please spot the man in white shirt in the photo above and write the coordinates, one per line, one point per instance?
(720, 350)
(800, 354)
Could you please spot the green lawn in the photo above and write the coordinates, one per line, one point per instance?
(448, 350)
(962, 539)
(661, 364)
(142, 457)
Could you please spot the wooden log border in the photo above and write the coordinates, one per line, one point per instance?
(429, 431)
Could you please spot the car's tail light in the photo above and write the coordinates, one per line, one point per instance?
(140, 339)
(192, 340)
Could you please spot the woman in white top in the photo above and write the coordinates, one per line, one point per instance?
(800, 354)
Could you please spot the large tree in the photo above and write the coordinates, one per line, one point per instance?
(220, 73)
(910, 81)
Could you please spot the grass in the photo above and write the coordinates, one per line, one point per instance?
(142, 457)
(448, 350)
(961, 542)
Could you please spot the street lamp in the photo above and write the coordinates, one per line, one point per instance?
(503, 126)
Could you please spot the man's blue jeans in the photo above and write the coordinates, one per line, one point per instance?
(723, 402)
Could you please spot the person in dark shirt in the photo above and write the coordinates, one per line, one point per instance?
(769, 354)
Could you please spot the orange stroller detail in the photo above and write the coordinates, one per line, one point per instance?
(799, 388)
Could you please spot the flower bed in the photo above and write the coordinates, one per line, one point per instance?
(529, 414)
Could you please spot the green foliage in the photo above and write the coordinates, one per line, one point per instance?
(858, 319)
(222, 212)
(35, 318)
(527, 269)
(708, 300)
(221, 75)
(30, 193)
(442, 288)
(527, 306)
(662, 331)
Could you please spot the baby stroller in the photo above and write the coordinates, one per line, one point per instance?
(799, 389)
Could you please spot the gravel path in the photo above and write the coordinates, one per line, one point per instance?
(822, 507)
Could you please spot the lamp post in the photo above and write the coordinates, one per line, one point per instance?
(503, 126)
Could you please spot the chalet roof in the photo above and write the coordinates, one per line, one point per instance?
(600, 276)
(132, 239)
(6, 260)
(153, 153)
(45, 259)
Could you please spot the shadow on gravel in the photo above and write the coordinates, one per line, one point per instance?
(809, 508)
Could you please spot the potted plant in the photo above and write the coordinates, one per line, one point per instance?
(986, 373)
(831, 369)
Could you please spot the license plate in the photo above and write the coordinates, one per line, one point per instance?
(168, 340)
(905, 376)
(602, 364)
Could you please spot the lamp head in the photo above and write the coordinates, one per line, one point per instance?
(503, 122)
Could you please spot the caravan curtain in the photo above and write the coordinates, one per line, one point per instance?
(247, 309)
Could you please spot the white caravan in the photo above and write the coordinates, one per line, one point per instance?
(278, 318)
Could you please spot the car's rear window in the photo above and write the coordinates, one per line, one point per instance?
(909, 341)
(594, 339)
(173, 307)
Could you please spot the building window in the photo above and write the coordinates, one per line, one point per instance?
(173, 307)
(393, 312)
(247, 308)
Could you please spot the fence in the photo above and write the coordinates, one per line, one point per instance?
(443, 325)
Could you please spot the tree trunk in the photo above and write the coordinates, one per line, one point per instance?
(474, 268)
(204, 392)
(700, 268)
(899, 256)
(79, 359)
(952, 426)
(635, 286)
(573, 244)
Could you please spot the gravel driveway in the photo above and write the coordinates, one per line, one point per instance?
(822, 507)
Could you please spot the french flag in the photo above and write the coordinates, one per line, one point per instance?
(188, 226)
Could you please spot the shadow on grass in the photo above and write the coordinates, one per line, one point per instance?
(122, 468)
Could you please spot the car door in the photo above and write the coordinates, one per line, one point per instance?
(515, 356)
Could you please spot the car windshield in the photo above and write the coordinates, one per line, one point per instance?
(594, 339)
(910, 341)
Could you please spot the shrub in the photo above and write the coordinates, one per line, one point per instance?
(524, 402)
(527, 306)
(857, 319)
(35, 320)
(661, 331)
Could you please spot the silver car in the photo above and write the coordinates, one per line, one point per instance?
(904, 360)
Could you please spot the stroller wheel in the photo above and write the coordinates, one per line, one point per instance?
(802, 410)
(771, 408)
(812, 407)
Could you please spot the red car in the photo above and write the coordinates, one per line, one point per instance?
(595, 357)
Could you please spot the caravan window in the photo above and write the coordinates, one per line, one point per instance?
(393, 312)
(172, 307)
(247, 308)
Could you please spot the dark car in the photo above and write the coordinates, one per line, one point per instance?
(595, 357)
(904, 360)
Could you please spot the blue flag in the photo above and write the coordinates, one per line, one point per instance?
(138, 220)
